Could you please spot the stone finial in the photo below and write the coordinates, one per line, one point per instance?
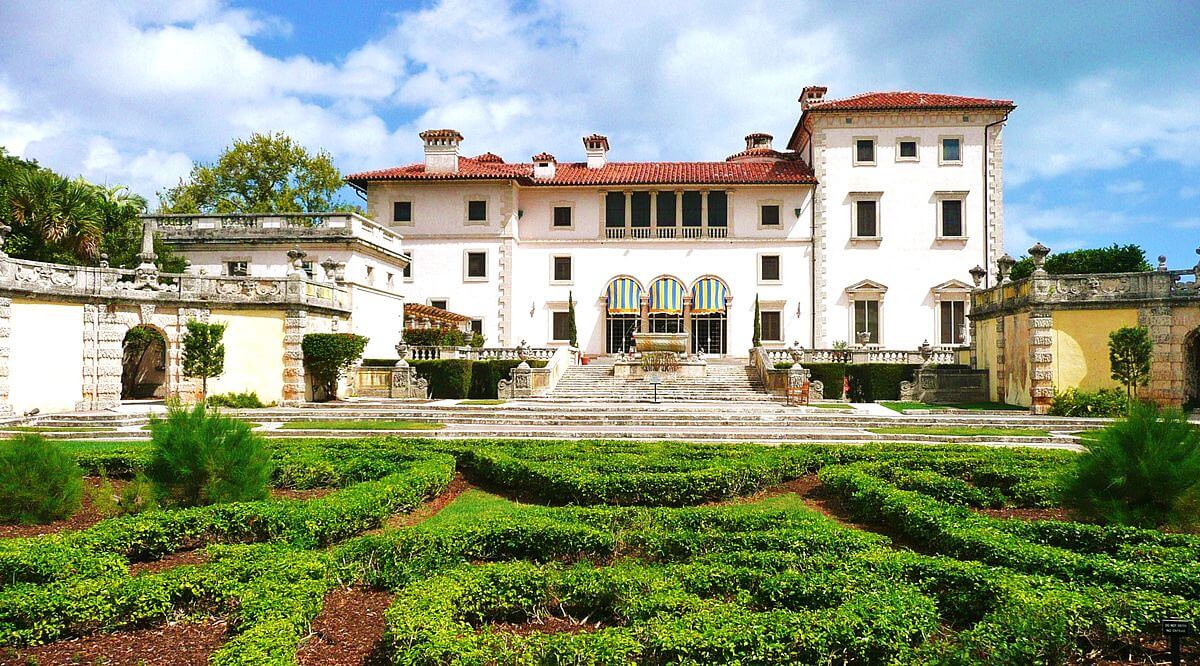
(146, 273)
(1039, 252)
(926, 351)
(1005, 265)
(296, 259)
(330, 267)
(5, 230)
(103, 260)
(1162, 263)
(977, 275)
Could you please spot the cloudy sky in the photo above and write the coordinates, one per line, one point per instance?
(1104, 146)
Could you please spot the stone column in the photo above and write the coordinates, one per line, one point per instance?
(110, 342)
(1041, 350)
(5, 348)
(644, 321)
(687, 319)
(295, 323)
(1001, 362)
(1167, 371)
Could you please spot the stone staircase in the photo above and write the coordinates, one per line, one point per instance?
(728, 380)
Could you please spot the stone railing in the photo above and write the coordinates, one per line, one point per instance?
(779, 380)
(526, 382)
(31, 277)
(859, 355)
(426, 353)
(1082, 290)
(280, 226)
(666, 232)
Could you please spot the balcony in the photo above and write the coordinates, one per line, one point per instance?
(666, 232)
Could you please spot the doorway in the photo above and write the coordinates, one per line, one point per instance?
(709, 333)
(143, 364)
(618, 334)
(1191, 370)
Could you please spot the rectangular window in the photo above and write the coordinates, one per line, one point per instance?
(718, 209)
(371, 275)
(769, 215)
(952, 218)
(439, 303)
(953, 322)
(864, 151)
(309, 269)
(562, 216)
(237, 268)
(692, 209)
(639, 209)
(391, 280)
(908, 150)
(561, 325)
(866, 319)
(866, 218)
(477, 326)
(477, 211)
(951, 150)
(562, 269)
(402, 211)
(614, 209)
(666, 209)
(408, 267)
(768, 268)
(477, 264)
(772, 325)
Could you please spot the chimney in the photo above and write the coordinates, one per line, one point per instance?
(543, 165)
(441, 150)
(758, 140)
(596, 146)
(812, 95)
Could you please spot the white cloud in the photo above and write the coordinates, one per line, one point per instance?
(1125, 187)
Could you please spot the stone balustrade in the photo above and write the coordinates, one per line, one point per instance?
(1098, 288)
(278, 226)
(431, 353)
(860, 355)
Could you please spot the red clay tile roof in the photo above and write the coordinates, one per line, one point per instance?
(489, 157)
(761, 151)
(543, 157)
(783, 172)
(909, 100)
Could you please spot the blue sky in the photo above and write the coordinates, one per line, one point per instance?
(1104, 145)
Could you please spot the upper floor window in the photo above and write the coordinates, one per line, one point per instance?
(562, 269)
(402, 211)
(309, 269)
(906, 150)
(666, 209)
(768, 215)
(440, 303)
(866, 218)
(693, 209)
(371, 275)
(237, 268)
(639, 209)
(951, 150)
(562, 216)
(950, 222)
(477, 210)
(614, 209)
(718, 209)
(476, 265)
(408, 267)
(477, 326)
(768, 268)
(864, 151)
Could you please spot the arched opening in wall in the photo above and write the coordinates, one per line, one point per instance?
(710, 328)
(1191, 381)
(666, 306)
(621, 314)
(143, 364)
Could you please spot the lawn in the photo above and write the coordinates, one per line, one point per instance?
(372, 424)
(614, 552)
(959, 431)
(900, 406)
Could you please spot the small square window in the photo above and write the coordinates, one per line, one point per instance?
(237, 268)
(402, 211)
(864, 151)
(477, 211)
(309, 269)
(771, 325)
(408, 267)
(562, 216)
(769, 215)
(560, 323)
(391, 280)
(371, 275)
(477, 326)
(439, 303)
(908, 150)
(866, 218)
(562, 269)
(951, 150)
(769, 268)
(952, 218)
(477, 264)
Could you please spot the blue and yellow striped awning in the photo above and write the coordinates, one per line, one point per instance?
(708, 296)
(624, 296)
(666, 295)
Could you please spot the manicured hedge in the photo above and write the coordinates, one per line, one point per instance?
(870, 382)
(832, 376)
(464, 378)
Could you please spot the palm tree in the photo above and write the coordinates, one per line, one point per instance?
(57, 213)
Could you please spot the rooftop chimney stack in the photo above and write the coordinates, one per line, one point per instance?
(758, 140)
(441, 150)
(543, 165)
(812, 95)
(596, 146)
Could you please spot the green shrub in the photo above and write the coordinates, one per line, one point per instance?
(200, 458)
(871, 382)
(246, 400)
(327, 356)
(1114, 259)
(784, 365)
(831, 375)
(1143, 470)
(435, 337)
(1102, 403)
(39, 481)
(134, 497)
(477, 340)
(485, 375)
(448, 378)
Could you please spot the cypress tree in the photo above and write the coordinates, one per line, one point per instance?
(572, 333)
(757, 323)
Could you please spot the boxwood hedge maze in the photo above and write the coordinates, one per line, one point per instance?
(494, 552)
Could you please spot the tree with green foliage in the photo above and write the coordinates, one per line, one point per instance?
(1129, 351)
(39, 481)
(203, 352)
(267, 173)
(1115, 259)
(757, 323)
(200, 458)
(572, 331)
(329, 355)
(1143, 470)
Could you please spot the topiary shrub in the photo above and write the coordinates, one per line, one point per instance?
(327, 356)
(871, 382)
(448, 378)
(246, 400)
(784, 365)
(831, 375)
(1143, 470)
(486, 375)
(39, 481)
(205, 458)
(1102, 403)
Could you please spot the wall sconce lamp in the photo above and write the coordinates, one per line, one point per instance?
(520, 213)
(799, 211)
(532, 308)
(798, 311)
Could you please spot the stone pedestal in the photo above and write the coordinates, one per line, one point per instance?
(406, 383)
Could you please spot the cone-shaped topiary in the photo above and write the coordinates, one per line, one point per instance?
(39, 481)
(1143, 470)
(205, 458)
